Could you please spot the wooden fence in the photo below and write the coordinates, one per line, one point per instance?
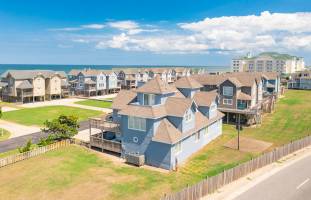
(211, 184)
(29, 154)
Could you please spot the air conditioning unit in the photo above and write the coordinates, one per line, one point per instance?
(135, 159)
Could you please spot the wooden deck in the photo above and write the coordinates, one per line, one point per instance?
(108, 145)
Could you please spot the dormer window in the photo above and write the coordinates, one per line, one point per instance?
(188, 116)
(149, 99)
(227, 91)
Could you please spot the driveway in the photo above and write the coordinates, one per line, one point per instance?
(17, 142)
(18, 130)
(65, 102)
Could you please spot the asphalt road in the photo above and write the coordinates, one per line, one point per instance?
(17, 142)
(291, 183)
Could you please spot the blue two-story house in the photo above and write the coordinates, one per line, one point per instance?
(165, 124)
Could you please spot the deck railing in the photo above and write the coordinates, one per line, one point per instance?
(109, 145)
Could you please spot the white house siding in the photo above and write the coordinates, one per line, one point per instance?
(55, 85)
(260, 92)
(112, 81)
(39, 86)
(101, 82)
(189, 145)
(254, 95)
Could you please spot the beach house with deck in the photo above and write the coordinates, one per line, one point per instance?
(161, 124)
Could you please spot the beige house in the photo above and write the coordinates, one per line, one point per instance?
(33, 85)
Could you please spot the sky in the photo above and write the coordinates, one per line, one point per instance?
(151, 32)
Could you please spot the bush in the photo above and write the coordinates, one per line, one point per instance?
(26, 148)
(64, 127)
(45, 141)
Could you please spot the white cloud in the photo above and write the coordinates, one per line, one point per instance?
(168, 44)
(80, 40)
(264, 32)
(124, 25)
(93, 26)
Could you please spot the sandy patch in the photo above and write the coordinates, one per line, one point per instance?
(248, 145)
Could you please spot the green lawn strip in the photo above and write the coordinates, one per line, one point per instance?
(8, 153)
(95, 103)
(37, 116)
(4, 134)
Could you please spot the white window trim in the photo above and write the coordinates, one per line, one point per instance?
(205, 130)
(133, 128)
(179, 149)
(188, 116)
(225, 101)
(150, 96)
(197, 137)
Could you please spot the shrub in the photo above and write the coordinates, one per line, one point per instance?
(26, 148)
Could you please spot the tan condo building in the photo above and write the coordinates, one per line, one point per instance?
(268, 62)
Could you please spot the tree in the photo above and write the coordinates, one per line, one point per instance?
(63, 127)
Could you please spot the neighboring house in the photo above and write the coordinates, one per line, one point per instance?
(300, 80)
(32, 85)
(129, 78)
(73, 74)
(112, 84)
(268, 62)
(87, 82)
(242, 93)
(163, 124)
(159, 72)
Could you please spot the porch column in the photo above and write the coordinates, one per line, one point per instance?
(22, 96)
(227, 118)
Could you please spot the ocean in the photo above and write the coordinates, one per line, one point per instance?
(67, 68)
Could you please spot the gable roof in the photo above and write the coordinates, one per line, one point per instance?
(156, 86)
(243, 96)
(187, 82)
(205, 98)
(123, 98)
(30, 74)
(176, 106)
(152, 112)
(24, 85)
(74, 72)
(166, 133)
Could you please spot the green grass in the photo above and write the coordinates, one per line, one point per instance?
(37, 116)
(76, 173)
(4, 135)
(95, 103)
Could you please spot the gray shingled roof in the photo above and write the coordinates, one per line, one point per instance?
(24, 85)
(30, 74)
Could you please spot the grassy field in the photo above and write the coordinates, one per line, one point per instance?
(76, 173)
(95, 103)
(4, 135)
(37, 116)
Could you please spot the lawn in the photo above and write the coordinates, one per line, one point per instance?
(37, 116)
(95, 103)
(4, 134)
(76, 173)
